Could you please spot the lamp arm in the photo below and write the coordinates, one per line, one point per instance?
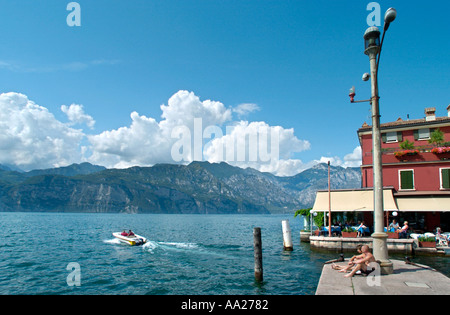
(363, 101)
(386, 26)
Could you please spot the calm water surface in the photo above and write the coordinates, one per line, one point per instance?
(186, 254)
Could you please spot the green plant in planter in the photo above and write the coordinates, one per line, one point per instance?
(426, 239)
(407, 145)
(318, 220)
(348, 229)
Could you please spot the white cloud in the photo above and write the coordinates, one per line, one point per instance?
(75, 113)
(260, 146)
(335, 161)
(140, 144)
(288, 167)
(353, 159)
(183, 107)
(245, 109)
(147, 142)
(71, 66)
(350, 160)
(6, 65)
(31, 137)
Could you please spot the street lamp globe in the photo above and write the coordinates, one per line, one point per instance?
(352, 94)
(390, 15)
(366, 77)
(372, 40)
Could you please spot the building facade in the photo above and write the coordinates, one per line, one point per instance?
(416, 163)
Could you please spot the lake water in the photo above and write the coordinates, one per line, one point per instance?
(186, 254)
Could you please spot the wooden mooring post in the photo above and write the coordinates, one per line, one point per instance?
(258, 254)
(287, 236)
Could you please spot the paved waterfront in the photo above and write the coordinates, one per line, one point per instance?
(406, 280)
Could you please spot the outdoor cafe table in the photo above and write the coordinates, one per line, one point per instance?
(334, 229)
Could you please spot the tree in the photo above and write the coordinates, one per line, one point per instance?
(303, 212)
(436, 137)
(318, 220)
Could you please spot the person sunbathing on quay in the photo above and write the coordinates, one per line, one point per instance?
(362, 263)
(351, 263)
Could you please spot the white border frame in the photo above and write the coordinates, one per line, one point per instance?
(440, 178)
(400, 180)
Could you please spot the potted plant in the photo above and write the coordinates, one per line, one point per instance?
(319, 228)
(393, 235)
(427, 242)
(407, 148)
(440, 150)
(443, 153)
(436, 138)
(403, 153)
(348, 232)
(317, 221)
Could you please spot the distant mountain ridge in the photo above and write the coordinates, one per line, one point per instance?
(71, 170)
(200, 187)
(13, 175)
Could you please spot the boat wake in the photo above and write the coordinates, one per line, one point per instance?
(153, 247)
(112, 241)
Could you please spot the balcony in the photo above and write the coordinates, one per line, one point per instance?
(425, 153)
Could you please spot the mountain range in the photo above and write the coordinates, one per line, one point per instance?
(200, 187)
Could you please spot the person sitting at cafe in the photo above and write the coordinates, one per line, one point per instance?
(361, 229)
(393, 226)
(442, 240)
(403, 232)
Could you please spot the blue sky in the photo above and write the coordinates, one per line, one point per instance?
(293, 60)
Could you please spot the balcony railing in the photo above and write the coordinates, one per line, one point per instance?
(419, 153)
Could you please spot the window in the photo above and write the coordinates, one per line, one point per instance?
(445, 178)
(390, 137)
(422, 134)
(406, 179)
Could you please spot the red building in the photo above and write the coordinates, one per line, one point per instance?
(416, 163)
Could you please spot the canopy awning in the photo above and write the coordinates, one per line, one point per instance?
(360, 200)
(424, 204)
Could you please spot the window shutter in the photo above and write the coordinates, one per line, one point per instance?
(406, 180)
(400, 136)
(446, 178)
(416, 134)
(383, 137)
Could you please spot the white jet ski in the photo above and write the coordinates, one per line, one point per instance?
(135, 240)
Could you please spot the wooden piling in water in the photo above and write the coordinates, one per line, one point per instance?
(287, 236)
(258, 254)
